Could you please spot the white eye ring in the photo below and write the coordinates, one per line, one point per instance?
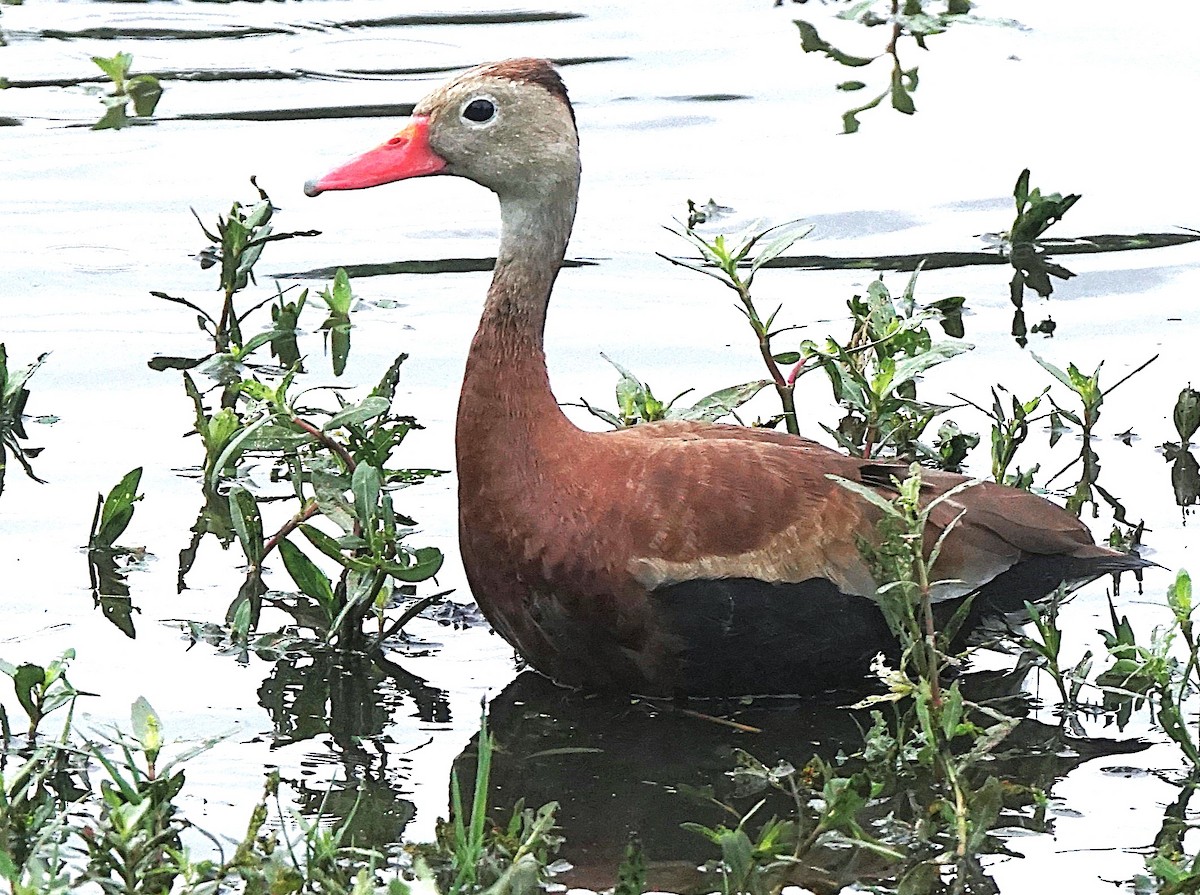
(480, 110)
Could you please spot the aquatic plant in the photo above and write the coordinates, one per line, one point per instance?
(114, 512)
(636, 402)
(334, 459)
(723, 261)
(873, 375)
(39, 690)
(102, 810)
(338, 298)
(1185, 470)
(1186, 415)
(936, 740)
(143, 91)
(1022, 245)
(1009, 433)
(469, 854)
(1091, 396)
(826, 805)
(874, 378)
(108, 562)
(13, 397)
(236, 248)
(915, 20)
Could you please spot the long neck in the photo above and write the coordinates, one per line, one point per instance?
(506, 395)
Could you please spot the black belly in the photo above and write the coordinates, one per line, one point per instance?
(740, 636)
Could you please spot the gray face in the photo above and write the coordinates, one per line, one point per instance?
(513, 137)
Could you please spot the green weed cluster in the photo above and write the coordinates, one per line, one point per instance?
(336, 458)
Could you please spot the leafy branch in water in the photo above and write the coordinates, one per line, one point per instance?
(237, 246)
(1091, 397)
(14, 395)
(334, 460)
(144, 91)
(916, 20)
(725, 262)
(938, 732)
(874, 377)
(1022, 245)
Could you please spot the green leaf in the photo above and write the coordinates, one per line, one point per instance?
(427, 561)
(114, 117)
(908, 368)
(147, 727)
(1187, 414)
(312, 582)
(233, 446)
(242, 614)
(985, 805)
(850, 123)
(342, 294)
(366, 485)
(117, 510)
(720, 403)
(631, 874)
(332, 549)
(163, 362)
(28, 680)
(1021, 190)
(782, 238)
(10, 872)
(145, 91)
(366, 409)
(1179, 596)
(811, 42)
(868, 493)
(255, 341)
(247, 523)
(1054, 371)
(339, 345)
(115, 68)
(901, 98)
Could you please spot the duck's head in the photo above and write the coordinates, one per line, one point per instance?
(507, 126)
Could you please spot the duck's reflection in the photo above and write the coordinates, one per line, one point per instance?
(623, 766)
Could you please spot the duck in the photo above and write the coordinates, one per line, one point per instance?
(673, 558)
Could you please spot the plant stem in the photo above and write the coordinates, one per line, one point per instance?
(305, 513)
(326, 441)
(785, 387)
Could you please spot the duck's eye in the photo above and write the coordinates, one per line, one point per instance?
(479, 110)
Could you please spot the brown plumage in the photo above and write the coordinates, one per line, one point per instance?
(671, 558)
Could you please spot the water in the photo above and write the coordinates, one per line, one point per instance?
(674, 101)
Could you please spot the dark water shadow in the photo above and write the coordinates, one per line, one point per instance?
(292, 74)
(1084, 245)
(145, 32)
(909, 262)
(387, 268)
(619, 766)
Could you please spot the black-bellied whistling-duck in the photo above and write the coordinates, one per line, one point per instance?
(670, 558)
